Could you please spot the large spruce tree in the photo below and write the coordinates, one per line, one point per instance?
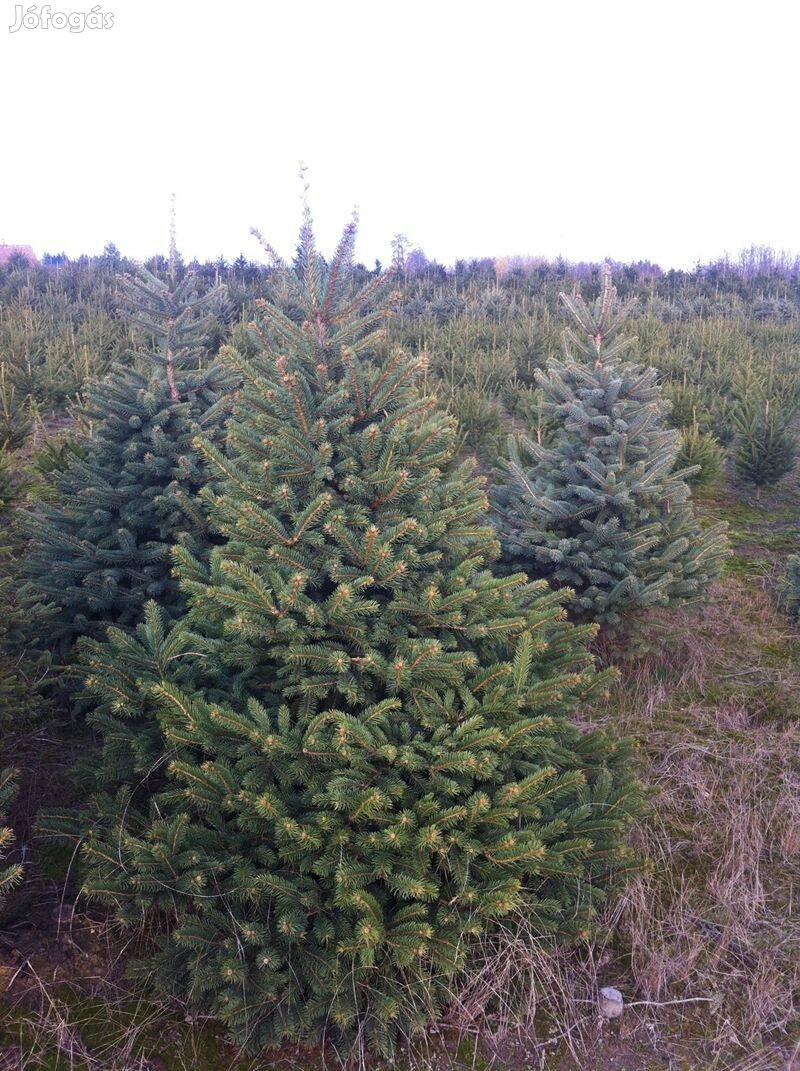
(600, 507)
(365, 755)
(101, 547)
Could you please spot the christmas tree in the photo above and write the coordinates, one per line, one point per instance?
(766, 447)
(600, 507)
(792, 586)
(367, 757)
(102, 547)
(700, 456)
(10, 876)
(18, 700)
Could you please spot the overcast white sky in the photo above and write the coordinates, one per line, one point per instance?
(662, 130)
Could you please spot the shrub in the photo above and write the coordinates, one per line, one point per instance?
(700, 457)
(481, 419)
(689, 405)
(792, 595)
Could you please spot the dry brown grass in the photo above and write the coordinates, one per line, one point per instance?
(714, 911)
(704, 942)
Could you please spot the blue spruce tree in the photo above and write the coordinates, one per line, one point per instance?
(600, 507)
(100, 548)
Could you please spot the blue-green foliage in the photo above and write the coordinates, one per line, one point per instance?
(101, 547)
(600, 507)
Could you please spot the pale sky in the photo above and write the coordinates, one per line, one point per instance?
(655, 129)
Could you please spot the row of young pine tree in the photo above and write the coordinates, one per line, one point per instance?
(333, 682)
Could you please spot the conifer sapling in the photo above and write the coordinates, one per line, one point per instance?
(766, 447)
(10, 876)
(600, 507)
(102, 547)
